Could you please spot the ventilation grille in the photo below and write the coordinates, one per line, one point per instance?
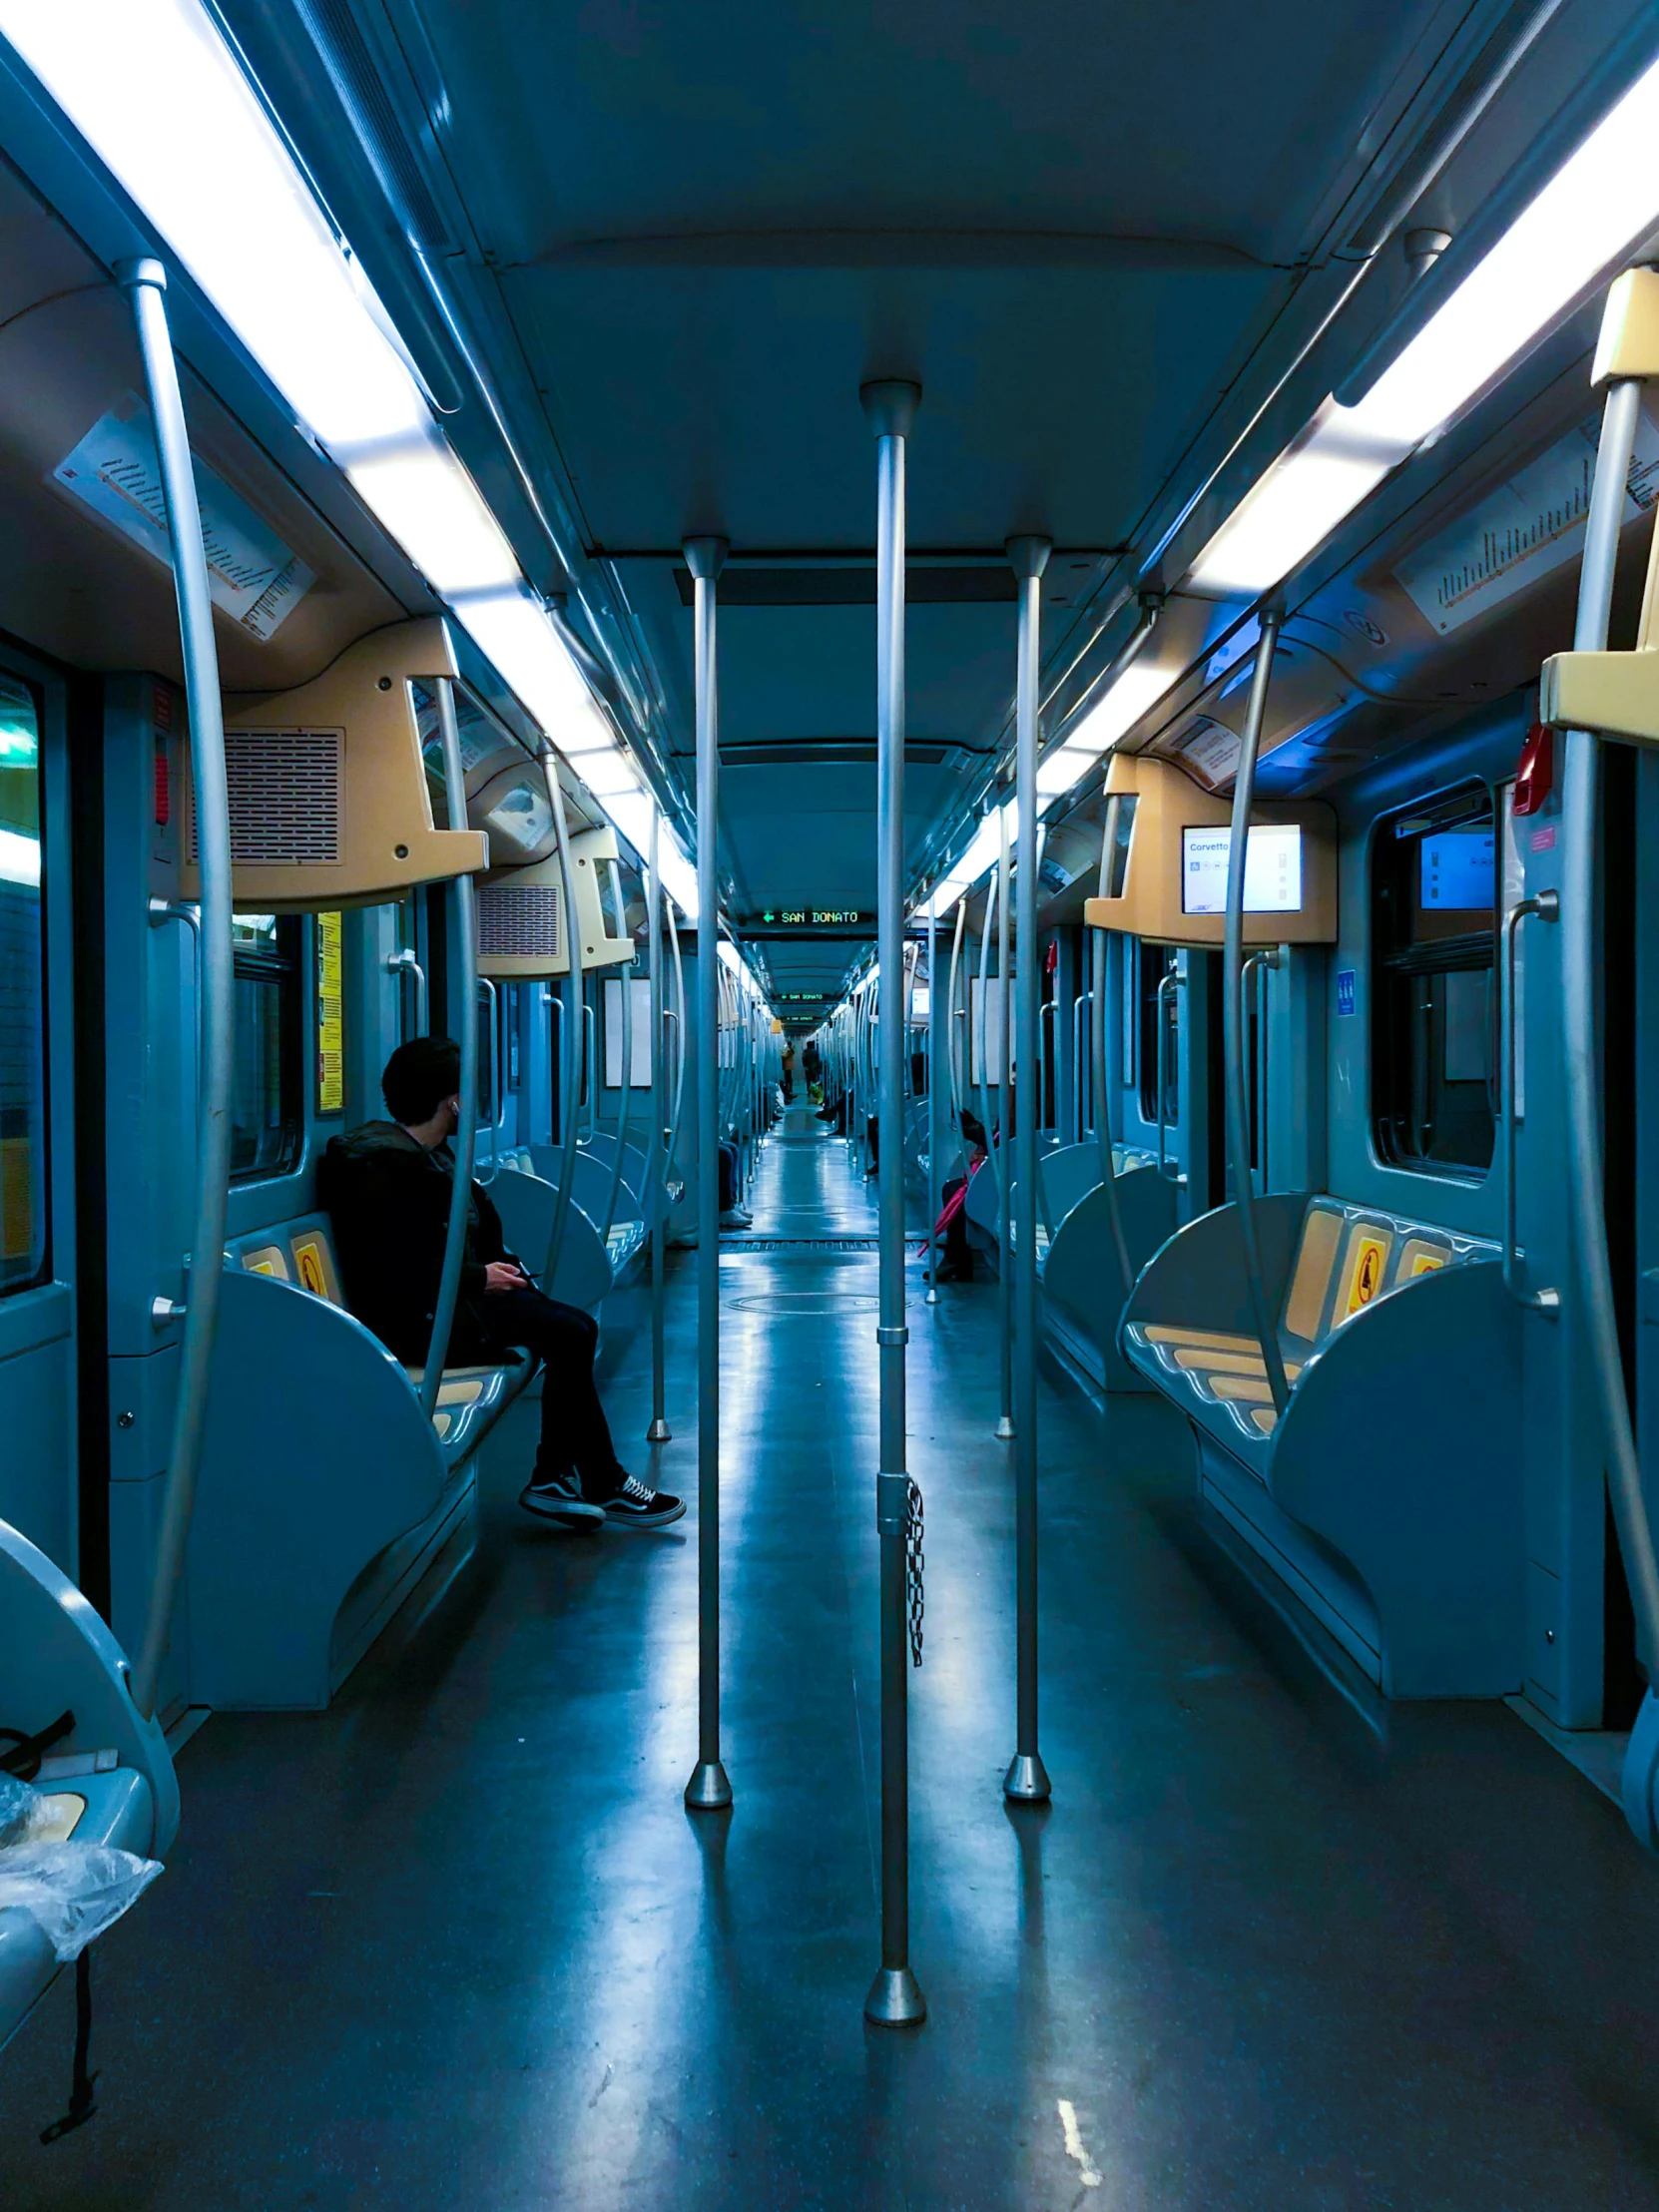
(285, 793)
(519, 922)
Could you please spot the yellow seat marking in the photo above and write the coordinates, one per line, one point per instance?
(1211, 1339)
(1364, 1269)
(1322, 1231)
(1247, 1389)
(1231, 1362)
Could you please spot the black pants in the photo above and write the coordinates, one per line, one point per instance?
(574, 1430)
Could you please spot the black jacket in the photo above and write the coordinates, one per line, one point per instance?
(388, 1199)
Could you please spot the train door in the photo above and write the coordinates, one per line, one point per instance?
(38, 1270)
(1171, 1064)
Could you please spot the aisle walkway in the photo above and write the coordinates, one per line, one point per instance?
(457, 1944)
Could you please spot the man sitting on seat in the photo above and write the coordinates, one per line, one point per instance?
(388, 1187)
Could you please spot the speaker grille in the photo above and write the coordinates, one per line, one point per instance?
(284, 788)
(519, 922)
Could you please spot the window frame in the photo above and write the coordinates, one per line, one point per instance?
(291, 968)
(1471, 802)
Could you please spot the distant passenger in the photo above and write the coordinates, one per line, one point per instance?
(387, 1186)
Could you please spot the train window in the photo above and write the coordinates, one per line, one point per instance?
(1154, 962)
(331, 1025)
(23, 1256)
(266, 1109)
(1435, 983)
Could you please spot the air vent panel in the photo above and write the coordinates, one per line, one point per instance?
(286, 791)
(520, 922)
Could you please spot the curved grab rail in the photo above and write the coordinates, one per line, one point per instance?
(1586, 1197)
(1546, 906)
(986, 925)
(1168, 983)
(625, 989)
(144, 283)
(498, 1104)
(403, 962)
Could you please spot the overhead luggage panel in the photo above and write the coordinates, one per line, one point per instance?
(328, 786)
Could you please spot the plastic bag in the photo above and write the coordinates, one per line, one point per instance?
(22, 1810)
(74, 1891)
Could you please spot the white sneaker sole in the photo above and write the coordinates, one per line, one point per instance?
(649, 1519)
(563, 1513)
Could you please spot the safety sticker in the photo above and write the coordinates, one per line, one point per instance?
(1346, 994)
(1427, 1263)
(307, 1257)
(1365, 1276)
(266, 1260)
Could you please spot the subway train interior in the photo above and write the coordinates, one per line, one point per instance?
(828, 1105)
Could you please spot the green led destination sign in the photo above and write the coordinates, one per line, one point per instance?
(811, 918)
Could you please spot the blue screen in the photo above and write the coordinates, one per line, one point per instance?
(1458, 868)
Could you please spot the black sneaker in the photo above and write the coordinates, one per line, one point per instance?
(638, 1505)
(561, 1502)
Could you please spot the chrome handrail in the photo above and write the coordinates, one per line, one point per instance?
(498, 1104)
(1169, 983)
(403, 962)
(1546, 906)
(1083, 998)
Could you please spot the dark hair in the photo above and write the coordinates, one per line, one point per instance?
(419, 1076)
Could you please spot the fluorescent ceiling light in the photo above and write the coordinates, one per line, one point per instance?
(434, 510)
(158, 95)
(608, 775)
(1117, 711)
(1313, 483)
(1599, 204)
(1064, 769)
(155, 89)
(513, 630)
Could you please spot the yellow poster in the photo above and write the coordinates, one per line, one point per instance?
(330, 1052)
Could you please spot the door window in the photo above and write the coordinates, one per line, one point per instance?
(23, 1240)
(1435, 983)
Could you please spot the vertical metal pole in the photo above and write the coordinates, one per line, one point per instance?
(1026, 1781)
(1006, 1115)
(708, 1789)
(144, 283)
(1237, 1075)
(466, 1132)
(1097, 1054)
(572, 1028)
(625, 1097)
(659, 1433)
(894, 1999)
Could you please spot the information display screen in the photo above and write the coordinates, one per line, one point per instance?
(1273, 869)
(1458, 870)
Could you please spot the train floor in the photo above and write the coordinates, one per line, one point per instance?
(456, 1944)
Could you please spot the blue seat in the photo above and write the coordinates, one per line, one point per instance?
(325, 1493)
(57, 1656)
(1386, 1493)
